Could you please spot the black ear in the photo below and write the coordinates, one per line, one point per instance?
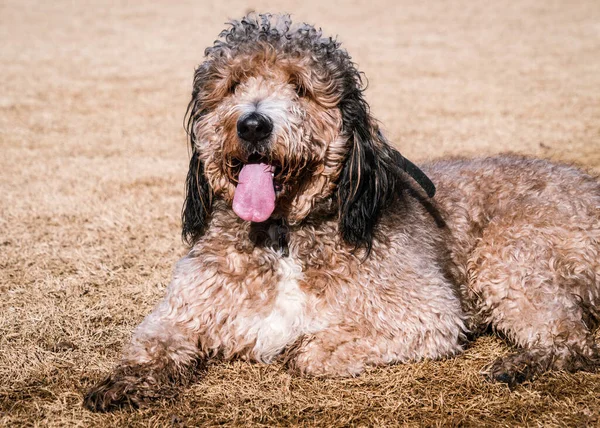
(198, 193)
(366, 183)
(372, 176)
(198, 201)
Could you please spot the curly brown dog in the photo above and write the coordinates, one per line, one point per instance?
(315, 242)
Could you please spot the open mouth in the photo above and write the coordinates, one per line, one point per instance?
(256, 189)
(275, 166)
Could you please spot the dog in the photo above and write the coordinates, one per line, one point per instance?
(314, 242)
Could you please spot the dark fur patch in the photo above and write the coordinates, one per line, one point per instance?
(198, 201)
(372, 177)
(198, 193)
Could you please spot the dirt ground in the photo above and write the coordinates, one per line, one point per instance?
(94, 156)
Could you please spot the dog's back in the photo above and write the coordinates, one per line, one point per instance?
(526, 241)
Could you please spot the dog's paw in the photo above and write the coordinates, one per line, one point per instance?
(321, 358)
(133, 385)
(116, 392)
(514, 369)
(503, 373)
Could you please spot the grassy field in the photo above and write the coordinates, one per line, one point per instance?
(93, 161)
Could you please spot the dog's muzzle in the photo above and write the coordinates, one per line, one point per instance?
(254, 198)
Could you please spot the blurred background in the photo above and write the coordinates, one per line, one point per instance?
(92, 100)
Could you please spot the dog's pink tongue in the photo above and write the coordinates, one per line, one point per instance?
(254, 198)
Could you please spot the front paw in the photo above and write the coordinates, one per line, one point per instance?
(315, 358)
(117, 391)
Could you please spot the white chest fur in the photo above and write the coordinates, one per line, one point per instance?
(287, 319)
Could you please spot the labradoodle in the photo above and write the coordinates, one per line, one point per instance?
(314, 242)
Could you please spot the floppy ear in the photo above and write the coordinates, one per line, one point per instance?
(198, 193)
(367, 182)
(198, 201)
(373, 175)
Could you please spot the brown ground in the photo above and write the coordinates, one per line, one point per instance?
(93, 161)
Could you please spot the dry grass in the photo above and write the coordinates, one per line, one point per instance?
(91, 183)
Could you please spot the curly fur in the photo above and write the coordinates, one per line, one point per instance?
(357, 266)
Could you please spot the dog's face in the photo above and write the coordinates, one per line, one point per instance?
(277, 124)
(270, 137)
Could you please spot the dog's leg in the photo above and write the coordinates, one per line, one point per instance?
(162, 355)
(334, 352)
(420, 317)
(346, 351)
(538, 285)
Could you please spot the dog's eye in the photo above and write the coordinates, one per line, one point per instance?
(232, 86)
(300, 90)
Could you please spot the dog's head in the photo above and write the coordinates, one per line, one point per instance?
(277, 124)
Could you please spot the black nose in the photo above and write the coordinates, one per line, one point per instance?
(254, 127)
